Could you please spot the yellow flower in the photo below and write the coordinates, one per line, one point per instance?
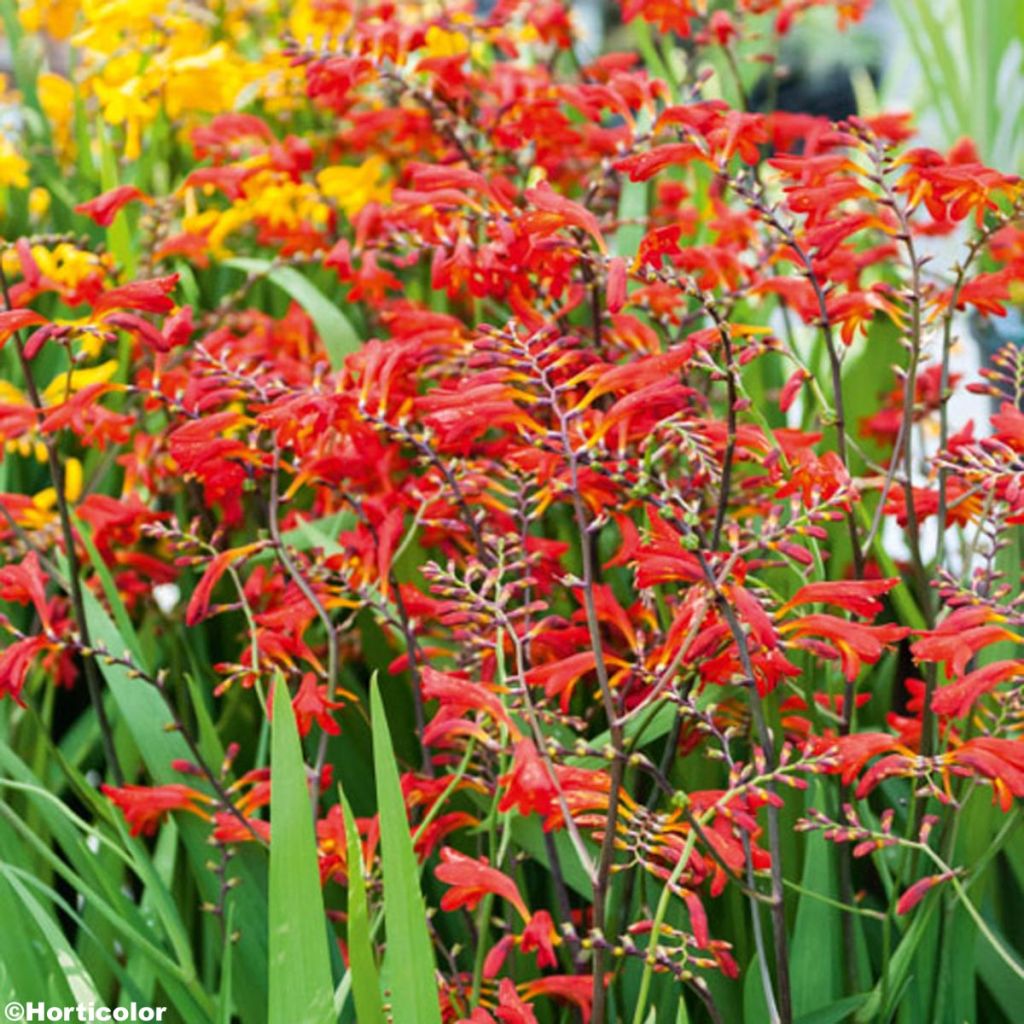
(13, 166)
(127, 104)
(47, 498)
(57, 98)
(110, 22)
(353, 187)
(206, 82)
(445, 44)
(54, 17)
(64, 385)
(315, 23)
(38, 203)
(66, 264)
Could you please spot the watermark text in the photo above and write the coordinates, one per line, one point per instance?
(87, 1013)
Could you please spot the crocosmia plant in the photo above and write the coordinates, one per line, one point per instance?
(488, 531)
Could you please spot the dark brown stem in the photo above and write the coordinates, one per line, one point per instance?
(973, 250)
(92, 679)
(322, 614)
(828, 336)
(778, 908)
(616, 735)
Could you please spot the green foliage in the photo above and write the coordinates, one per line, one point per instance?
(299, 973)
(409, 963)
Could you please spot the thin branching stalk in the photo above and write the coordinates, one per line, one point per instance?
(307, 591)
(92, 678)
(778, 909)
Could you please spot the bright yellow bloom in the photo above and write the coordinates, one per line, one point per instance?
(126, 104)
(47, 498)
(57, 98)
(353, 187)
(38, 203)
(13, 166)
(445, 44)
(316, 23)
(64, 385)
(54, 17)
(65, 264)
(207, 82)
(271, 198)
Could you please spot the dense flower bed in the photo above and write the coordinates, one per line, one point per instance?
(391, 356)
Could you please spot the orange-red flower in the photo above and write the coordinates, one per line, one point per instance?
(470, 880)
(144, 807)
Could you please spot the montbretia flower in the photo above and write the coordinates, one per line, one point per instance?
(144, 807)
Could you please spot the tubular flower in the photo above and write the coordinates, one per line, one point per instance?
(144, 807)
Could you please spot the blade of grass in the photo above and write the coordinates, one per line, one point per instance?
(170, 972)
(899, 965)
(817, 980)
(362, 966)
(835, 1013)
(22, 965)
(144, 712)
(224, 996)
(409, 960)
(113, 596)
(69, 968)
(300, 986)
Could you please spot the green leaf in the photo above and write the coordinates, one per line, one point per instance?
(23, 967)
(335, 329)
(143, 711)
(835, 1012)
(119, 236)
(899, 965)
(817, 979)
(112, 594)
(71, 970)
(1003, 985)
(362, 966)
(173, 978)
(409, 957)
(755, 1005)
(300, 990)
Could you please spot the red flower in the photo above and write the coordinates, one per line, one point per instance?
(857, 596)
(228, 829)
(457, 696)
(15, 661)
(311, 703)
(960, 636)
(26, 584)
(919, 890)
(528, 785)
(960, 696)
(854, 751)
(144, 807)
(471, 880)
(511, 1009)
(199, 604)
(573, 988)
(540, 935)
(103, 209)
(1000, 760)
(855, 642)
(13, 320)
(560, 677)
(565, 212)
(152, 296)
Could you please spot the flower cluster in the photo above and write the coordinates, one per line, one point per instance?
(579, 407)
